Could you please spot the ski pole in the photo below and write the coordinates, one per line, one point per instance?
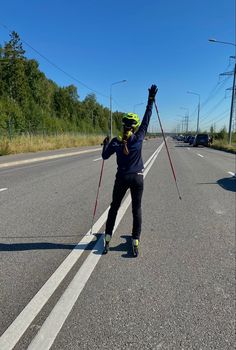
(168, 153)
(96, 202)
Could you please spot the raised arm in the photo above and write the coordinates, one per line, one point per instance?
(140, 134)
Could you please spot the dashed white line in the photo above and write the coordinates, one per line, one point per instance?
(200, 155)
(3, 189)
(94, 160)
(18, 327)
(53, 324)
(230, 173)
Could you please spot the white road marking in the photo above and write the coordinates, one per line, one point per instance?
(188, 148)
(200, 155)
(40, 159)
(94, 160)
(230, 173)
(3, 189)
(18, 327)
(54, 322)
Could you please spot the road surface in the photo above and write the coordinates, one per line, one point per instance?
(59, 292)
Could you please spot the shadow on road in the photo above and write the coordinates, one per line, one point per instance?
(125, 247)
(227, 183)
(10, 247)
(184, 145)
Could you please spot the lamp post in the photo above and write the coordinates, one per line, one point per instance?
(198, 109)
(116, 82)
(137, 104)
(233, 90)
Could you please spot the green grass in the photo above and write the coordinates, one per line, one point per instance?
(224, 146)
(27, 143)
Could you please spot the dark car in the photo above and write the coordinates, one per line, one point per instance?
(201, 139)
(191, 140)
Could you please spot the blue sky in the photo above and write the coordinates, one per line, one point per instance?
(163, 42)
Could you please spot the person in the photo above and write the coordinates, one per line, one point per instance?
(128, 149)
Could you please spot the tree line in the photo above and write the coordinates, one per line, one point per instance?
(32, 103)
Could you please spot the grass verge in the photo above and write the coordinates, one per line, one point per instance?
(223, 146)
(27, 143)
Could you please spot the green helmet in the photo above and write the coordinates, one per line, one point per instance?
(131, 120)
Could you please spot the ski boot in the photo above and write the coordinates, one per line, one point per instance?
(107, 241)
(135, 246)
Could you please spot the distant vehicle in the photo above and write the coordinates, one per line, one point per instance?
(201, 139)
(180, 138)
(187, 138)
(191, 140)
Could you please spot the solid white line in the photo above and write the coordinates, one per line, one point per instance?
(94, 160)
(18, 327)
(230, 172)
(200, 155)
(55, 156)
(54, 322)
(3, 189)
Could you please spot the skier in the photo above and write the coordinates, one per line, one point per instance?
(128, 148)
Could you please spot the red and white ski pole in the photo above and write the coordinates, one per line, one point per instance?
(96, 202)
(168, 153)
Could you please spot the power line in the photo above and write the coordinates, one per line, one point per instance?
(212, 109)
(56, 66)
(215, 118)
(215, 91)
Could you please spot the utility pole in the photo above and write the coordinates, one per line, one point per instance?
(117, 82)
(232, 102)
(198, 107)
(232, 107)
(233, 90)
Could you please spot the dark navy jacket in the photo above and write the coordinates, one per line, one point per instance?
(131, 163)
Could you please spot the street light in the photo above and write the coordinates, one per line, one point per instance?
(117, 82)
(198, 109)
(233, 89)
(137, 104)
(221, 42)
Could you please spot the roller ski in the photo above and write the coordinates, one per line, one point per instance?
(106, 244)
(135, 247)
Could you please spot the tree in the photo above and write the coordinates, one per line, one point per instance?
(30, 102)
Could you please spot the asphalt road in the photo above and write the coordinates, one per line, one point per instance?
(178, 294)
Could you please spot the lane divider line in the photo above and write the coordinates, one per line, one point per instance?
(3, 189)
(200, 155)
(40, 159)
(54, 322)
(231, 173)
(14, 332)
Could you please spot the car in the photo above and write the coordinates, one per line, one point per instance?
(201, 139)
(191, 140)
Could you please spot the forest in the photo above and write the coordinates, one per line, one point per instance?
(30, 103)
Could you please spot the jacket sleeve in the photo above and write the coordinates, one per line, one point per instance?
(140, 134)
(108, 150)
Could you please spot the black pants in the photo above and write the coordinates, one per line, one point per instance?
(122, 183)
